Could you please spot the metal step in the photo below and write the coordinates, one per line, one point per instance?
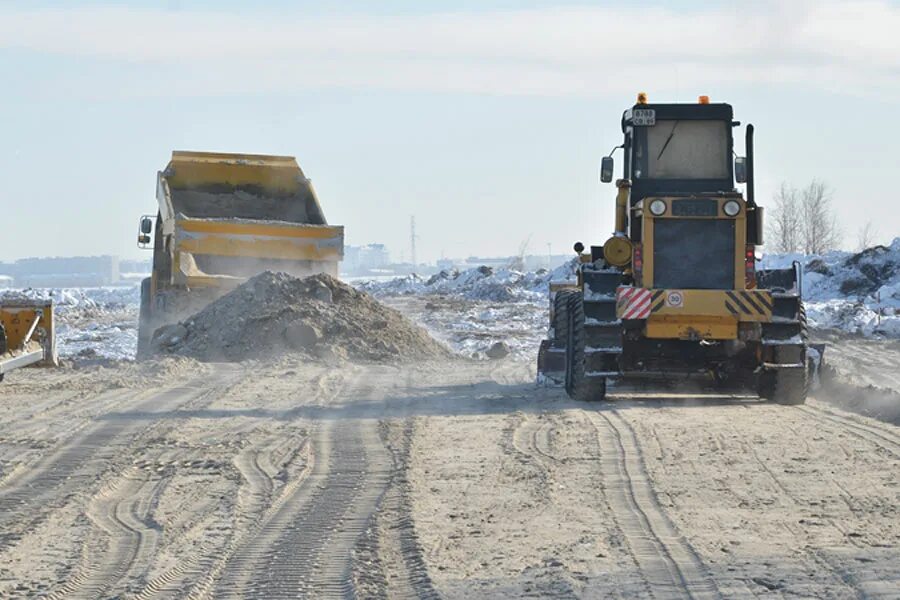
(603, 334)
(600, 309)
(602, 361)
(778, 331)
(599, 284)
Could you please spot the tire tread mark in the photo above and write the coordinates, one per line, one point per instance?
(669, 564)
(874, 435)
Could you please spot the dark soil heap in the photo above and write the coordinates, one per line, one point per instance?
(276, 313)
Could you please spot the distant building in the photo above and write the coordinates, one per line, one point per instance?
(362, 259)
(79, 271)
(133, 270)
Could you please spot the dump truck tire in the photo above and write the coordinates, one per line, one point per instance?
(144, 330)
(578, 385)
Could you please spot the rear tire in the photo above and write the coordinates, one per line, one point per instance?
(785, 386)
(561, 316)
(788, 386)
(578, 385)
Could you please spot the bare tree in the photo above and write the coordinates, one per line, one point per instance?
(819, 224)
(785, 229)
(866, 235)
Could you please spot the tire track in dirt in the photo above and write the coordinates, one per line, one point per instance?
(259, 515)
(529, 440)
(303, 544)
(304, 548)
(124, 513)
(388, 559)
(875, 435)
(666, 560)
(26, 500)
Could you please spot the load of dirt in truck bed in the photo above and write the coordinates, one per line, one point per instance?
(276, 313)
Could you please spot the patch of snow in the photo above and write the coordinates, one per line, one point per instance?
(852, 292)
(96, 322)
(479, 283)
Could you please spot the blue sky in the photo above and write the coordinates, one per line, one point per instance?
(486, 120)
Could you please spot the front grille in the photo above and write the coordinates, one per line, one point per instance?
(693, 254)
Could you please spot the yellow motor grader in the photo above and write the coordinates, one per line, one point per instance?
(675, 290)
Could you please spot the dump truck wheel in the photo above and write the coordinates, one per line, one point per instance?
(561, 316)
(144, 330)
(578, 385)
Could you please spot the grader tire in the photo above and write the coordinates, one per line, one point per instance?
(788, 386)
(578, 385)
(561, 316)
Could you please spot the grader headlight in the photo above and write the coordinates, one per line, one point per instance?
(657, 208)
(732, 208)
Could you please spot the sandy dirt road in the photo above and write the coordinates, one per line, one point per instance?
(457, 480)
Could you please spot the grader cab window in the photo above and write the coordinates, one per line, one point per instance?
(684, 149)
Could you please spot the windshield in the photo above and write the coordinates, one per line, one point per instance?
(683, 150)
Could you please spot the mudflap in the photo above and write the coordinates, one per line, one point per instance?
(815, 360)
(551, 367)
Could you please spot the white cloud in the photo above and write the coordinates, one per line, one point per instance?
(567, 51)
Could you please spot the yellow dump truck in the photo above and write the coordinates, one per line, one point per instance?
(27, 335)
(223, 218)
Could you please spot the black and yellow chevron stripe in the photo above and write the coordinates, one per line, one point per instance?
(656, 300)
(745, 305)
(748, 303)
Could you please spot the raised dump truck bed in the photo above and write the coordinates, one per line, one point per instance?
(224, 218)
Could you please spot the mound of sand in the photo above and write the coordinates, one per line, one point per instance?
(275, 313)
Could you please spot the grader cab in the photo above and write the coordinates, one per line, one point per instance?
(675, 290)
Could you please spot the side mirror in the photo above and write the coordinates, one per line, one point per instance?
(607, 166)
(144, 231)
(740, 169)
(578, 247)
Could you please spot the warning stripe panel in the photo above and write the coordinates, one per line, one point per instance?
(633, 303)
(748, 303)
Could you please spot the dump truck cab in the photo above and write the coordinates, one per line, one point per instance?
(675, 291)
(223, 218)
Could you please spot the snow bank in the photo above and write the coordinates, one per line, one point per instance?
(857, 293)
(91, 322)
(479, 283)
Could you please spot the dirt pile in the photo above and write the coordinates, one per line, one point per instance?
(274, 313)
